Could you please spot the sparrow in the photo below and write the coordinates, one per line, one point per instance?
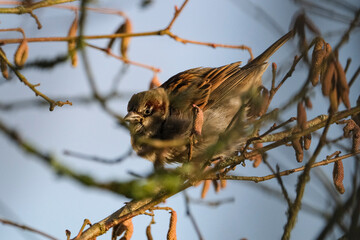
(163, 121)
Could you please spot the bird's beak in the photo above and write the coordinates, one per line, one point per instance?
(133, 117)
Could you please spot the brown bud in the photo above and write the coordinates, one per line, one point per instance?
(171, 235)
(72, 43)
(307, 141)
(205, 189)
(338, 176)
(326, 83)
(297, 145)
(154, 82)
(198, 120)
(301, 116)
(274, 66)
(21, 53)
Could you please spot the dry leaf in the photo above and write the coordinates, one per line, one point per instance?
(72, 43)
(171, 235)
(338, 176)
(21, 53)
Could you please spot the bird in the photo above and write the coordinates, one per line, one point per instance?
(185, 118)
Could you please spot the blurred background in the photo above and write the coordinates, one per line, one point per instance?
(33, 194)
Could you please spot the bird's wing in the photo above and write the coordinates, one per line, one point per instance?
(188, 87)
(205, 87)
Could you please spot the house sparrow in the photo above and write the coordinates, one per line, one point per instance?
(170, 112)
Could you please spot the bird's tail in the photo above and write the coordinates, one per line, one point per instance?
(272, 49)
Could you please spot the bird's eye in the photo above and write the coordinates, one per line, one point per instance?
(148, 111)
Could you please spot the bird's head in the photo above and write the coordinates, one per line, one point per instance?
(146, 112)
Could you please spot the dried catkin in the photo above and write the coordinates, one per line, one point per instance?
(327, 80)
(72, 43)
(148, 232)
(154, 82)
(205, 188)
(198, 120)
(301, 116)
(125, 28)
(343, 87)
(21, 53)
(338, 176)
(307, 141)
(171, 235)
(299, 152)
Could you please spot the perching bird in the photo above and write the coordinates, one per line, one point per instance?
(170, 111)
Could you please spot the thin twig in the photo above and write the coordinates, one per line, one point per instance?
(22, 78)
(29, 8)
(110, 53)
(8, 222)
(356, 74)
(278, 177)
(98, 159)
(302, 181)
(192, 219)
(282, 173)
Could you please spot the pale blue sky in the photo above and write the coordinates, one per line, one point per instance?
(32, 194)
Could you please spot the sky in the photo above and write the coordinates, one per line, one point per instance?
(32, 194)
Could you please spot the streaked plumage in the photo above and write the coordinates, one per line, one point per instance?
(167, 112)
